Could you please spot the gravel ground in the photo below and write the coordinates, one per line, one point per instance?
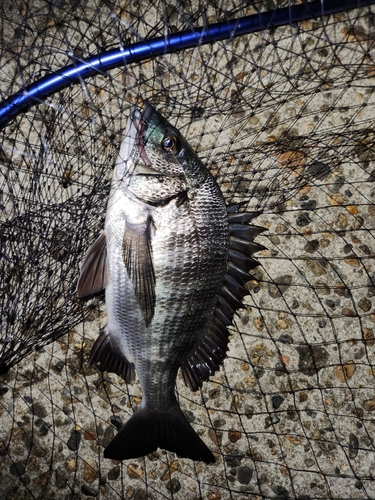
(290, 413)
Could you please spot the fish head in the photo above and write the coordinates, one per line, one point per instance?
(166, 150)
(155, 162)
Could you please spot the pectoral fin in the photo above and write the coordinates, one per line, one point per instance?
(137, 256)
(94, 273)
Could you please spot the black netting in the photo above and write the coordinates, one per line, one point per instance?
(284, 119)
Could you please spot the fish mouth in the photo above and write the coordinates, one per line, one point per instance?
(148, 111)
(141, 123)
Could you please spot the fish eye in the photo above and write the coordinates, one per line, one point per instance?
(170, 144)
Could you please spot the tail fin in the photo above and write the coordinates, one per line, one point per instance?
(148, 430)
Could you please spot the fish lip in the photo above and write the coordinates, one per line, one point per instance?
(148, 110)
(141, 121)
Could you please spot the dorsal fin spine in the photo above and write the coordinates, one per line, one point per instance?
(210, 352)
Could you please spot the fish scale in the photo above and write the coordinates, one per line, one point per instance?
(173, 267)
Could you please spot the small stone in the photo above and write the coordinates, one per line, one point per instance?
(284, 359)
(309, 462)
(348, 312)
(369, 404)
(277, 400)
(312, 246)
(116, 421)
(336, 199)
(303, 397)
(216, 437)
(140, 495)
(316, 266)
(274, 239)
(365, 304)
(323, 288)
(109, 434)
(219, 422)
(271, 420)
(39, 410)
(286, 339)
(249, 411)
(214, 393)
(58, 367)
(292, 160)
(342, 221)
(353, 262)
(281, 228)
(311, 359)
(353, 446)
(345, 372)
(74, 441)
(319, 170)
(114, 473)
(282, 324)
(71, 465)
(259, 372)
(365, 249)
(259, 324)
(90, 435)
(358, 222)
(331, 303)
(174, 485)
(280, 285)
(341, 290)
(281, 492)
(254, 120)
(214, 496)
(134, 471)
(90, 471)
(173, 467)
(234, 459)
(352, 209)
(44, 428)
(17, 469)
(360, 353)
(88, 492)
(244, 474)
(308, 205)
(61, 478)
(354, 34)
(42, 479)
(303, 220)
(234, 436)
(324, 243)
(368, 336)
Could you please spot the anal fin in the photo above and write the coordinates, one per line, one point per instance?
(111, 358)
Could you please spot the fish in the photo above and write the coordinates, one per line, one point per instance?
(173, 260)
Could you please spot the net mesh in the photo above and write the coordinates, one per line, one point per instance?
(284, 119)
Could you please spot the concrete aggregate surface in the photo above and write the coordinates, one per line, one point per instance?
(285, 121)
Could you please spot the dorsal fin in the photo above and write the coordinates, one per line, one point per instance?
(209, 354)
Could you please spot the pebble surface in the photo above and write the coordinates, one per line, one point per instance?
(291, 414)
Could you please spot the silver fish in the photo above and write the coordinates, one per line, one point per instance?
(173, 260)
